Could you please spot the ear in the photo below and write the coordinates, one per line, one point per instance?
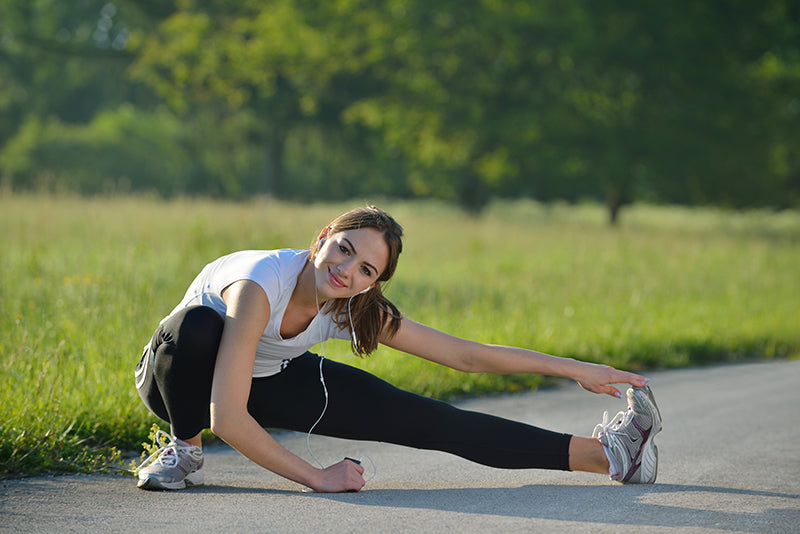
(322, 235)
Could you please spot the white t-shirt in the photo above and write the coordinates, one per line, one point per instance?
(276, 271)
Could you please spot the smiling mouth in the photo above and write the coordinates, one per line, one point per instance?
(335, 280)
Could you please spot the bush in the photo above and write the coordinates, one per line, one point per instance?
(119, 151)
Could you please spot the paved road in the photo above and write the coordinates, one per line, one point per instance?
(729, 453)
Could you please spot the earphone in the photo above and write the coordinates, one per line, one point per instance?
(325, 387)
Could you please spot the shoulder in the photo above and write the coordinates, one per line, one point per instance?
(274, 271)
(269, 261)
(245, 294)
(281, 255)
(285, 258)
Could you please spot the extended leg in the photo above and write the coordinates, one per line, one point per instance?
(364, 407)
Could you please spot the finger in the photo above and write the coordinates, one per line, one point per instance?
(611, 390)
(354, 463)
(634, 379)
(359, 483)
(639, 381)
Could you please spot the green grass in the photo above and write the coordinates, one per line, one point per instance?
(84, 283)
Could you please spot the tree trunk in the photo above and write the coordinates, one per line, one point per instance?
(614, 202)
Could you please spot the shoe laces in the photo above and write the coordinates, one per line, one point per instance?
(611, 425)
(167, 454)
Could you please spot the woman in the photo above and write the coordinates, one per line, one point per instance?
(232, 357)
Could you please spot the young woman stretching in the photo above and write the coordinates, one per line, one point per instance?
(233, 357)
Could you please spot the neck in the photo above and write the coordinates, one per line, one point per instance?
(305, 292)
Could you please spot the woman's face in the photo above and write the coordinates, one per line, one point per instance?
(349, 262)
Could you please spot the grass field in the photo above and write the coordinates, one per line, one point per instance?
(84, 283)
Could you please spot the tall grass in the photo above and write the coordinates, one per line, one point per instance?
(84, 283)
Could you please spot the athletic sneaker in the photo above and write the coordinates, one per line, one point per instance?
(629, 438)
(652, 399)
(176, 465)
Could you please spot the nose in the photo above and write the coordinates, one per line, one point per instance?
(346, 267)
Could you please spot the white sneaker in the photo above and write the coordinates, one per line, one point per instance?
(629, 438)
(176, 465)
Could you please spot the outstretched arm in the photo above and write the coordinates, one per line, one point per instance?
(472, 357)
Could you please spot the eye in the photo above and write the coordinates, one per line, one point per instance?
(366, 271)
(344, 250)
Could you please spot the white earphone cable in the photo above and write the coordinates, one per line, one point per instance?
(325, 387)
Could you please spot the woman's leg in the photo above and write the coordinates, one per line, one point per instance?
(364, 407)
(587, 454)
(174, 376)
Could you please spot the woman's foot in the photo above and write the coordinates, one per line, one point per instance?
(628, 439)
(176, 465)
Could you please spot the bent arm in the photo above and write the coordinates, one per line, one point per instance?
(247, 316)
(473, 357)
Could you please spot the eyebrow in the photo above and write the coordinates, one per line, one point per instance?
(350, 244)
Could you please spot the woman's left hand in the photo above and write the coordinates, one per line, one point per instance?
(599, 379)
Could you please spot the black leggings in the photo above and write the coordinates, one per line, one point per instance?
(174, 381)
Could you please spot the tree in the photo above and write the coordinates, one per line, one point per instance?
(614, 101)
(64, 63)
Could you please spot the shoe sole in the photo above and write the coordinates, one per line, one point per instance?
(648, 464)
(154, 484)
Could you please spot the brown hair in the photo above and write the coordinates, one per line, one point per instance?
(371, 311)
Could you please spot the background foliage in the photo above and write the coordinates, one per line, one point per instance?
(86, 281)
(476, 103)
(616, 101)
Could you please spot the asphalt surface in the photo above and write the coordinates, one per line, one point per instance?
(729, 462)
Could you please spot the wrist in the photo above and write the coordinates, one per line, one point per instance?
(313, 479)
(572, 368)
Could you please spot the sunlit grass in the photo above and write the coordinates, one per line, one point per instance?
(84, 283)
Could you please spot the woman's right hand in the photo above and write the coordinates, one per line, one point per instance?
(343, 476)
(599, 378)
